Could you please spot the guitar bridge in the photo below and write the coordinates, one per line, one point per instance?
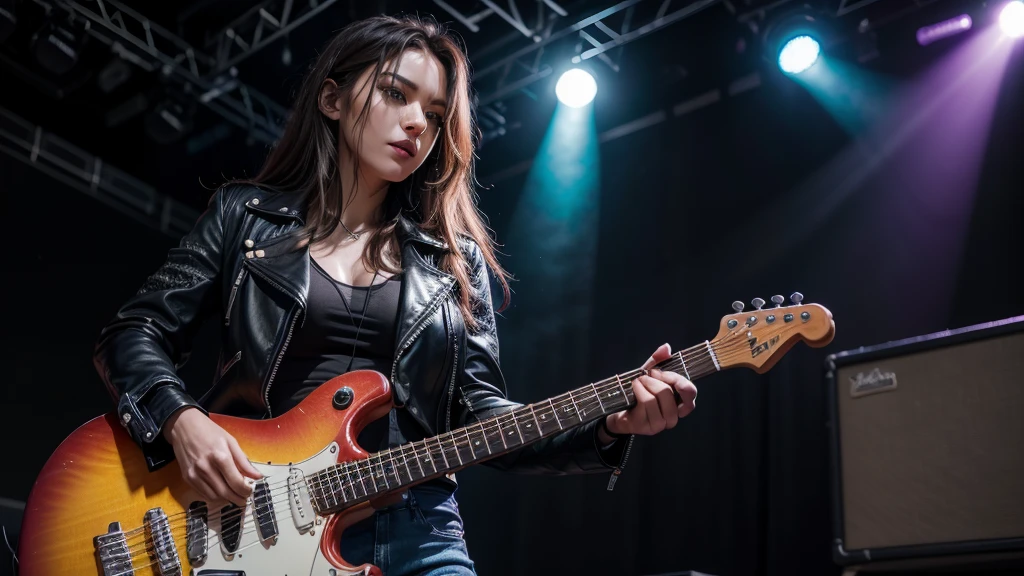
(112, 552)
(160, 543)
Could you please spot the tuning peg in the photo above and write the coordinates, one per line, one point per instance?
(778, 299)
(737, 306)
(796, 298)
(757, 302)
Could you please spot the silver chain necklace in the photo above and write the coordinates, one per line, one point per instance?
(351, 234)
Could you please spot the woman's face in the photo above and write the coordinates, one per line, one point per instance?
(407, 108)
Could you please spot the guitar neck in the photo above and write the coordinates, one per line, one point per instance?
(343, 485)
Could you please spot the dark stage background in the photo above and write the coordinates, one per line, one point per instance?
(763, 193)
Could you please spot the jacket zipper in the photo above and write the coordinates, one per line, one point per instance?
(618, 469)
(420, 326)
(277, 363)
(284, 345)
(231, 298)
(451, 391)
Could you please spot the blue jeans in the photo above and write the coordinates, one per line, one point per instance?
(419, 536)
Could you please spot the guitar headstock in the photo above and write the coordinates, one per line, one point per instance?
(757, 338)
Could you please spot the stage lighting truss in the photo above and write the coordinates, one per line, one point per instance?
(608, 29)
(260, 26)
(90, 175)
(149, 46)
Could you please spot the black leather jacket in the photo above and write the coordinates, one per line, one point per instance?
(242, 262)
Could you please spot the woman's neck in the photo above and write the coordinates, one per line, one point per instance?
(362, 197)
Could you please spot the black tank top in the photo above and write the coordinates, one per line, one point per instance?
(322, 346)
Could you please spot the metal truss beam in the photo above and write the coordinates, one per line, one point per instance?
(660, 21)
(146, 44)
(261, 25)
(517, 71)
(90, 175)
(512, 16)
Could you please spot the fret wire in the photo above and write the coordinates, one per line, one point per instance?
(456, 447)
(622, 388)
(405, 460)
(555, 412)
(575, 407)
(535, 421)
(341, 481)
(687, 372)
(483, 433)
(380, 464)
(443, 455)
(470, 440)
(599, 401)
(501, 431)
(362, 478)
(394, 465)
(515, 422)
(418, 463)
(339, 469)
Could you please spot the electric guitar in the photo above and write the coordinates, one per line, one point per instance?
(96, 509)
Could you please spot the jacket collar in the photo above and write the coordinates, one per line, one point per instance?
(409, 231)
(278, 206)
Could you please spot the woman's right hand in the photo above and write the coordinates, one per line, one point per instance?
(211, 461)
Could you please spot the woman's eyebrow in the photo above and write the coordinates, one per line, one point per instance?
(413, 85)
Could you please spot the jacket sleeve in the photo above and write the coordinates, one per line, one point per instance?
(482, 387)
(139, 352)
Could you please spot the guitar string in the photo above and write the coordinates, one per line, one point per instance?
(697, 354)
(510, 419)
(239, 511)
(359, 469)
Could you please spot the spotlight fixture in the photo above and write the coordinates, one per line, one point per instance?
(799, 54)
(57, 46)
(170, 119)
(945, 29)
(1011, 19)
(793, 42)
(576, 88)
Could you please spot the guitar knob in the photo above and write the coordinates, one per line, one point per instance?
(737, 306)
(778, 299)
(757, 302)
(796, 298)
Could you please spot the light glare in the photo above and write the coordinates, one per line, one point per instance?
(1011, 19)
(799, 54)
(576, 88)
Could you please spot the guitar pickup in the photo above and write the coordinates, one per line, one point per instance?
(298, 500)
(231, 528)
(263, 509)
(197, 532)
(160, 543)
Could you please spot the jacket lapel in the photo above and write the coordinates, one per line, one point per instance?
(282, 259)
(422, 282)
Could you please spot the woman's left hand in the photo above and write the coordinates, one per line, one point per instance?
(656, 407)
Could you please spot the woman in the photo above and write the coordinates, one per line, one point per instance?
(358, 246)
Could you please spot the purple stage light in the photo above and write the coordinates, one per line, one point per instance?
(1011, 19)
(945, 29)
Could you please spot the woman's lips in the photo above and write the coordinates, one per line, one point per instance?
(402, 152)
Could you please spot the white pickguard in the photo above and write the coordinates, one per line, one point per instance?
(293, 552)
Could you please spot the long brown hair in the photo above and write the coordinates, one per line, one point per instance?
(440, 195)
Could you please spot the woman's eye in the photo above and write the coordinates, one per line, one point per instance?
(434, 117)
(394, 94)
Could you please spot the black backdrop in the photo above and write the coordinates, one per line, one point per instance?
(740, 487)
